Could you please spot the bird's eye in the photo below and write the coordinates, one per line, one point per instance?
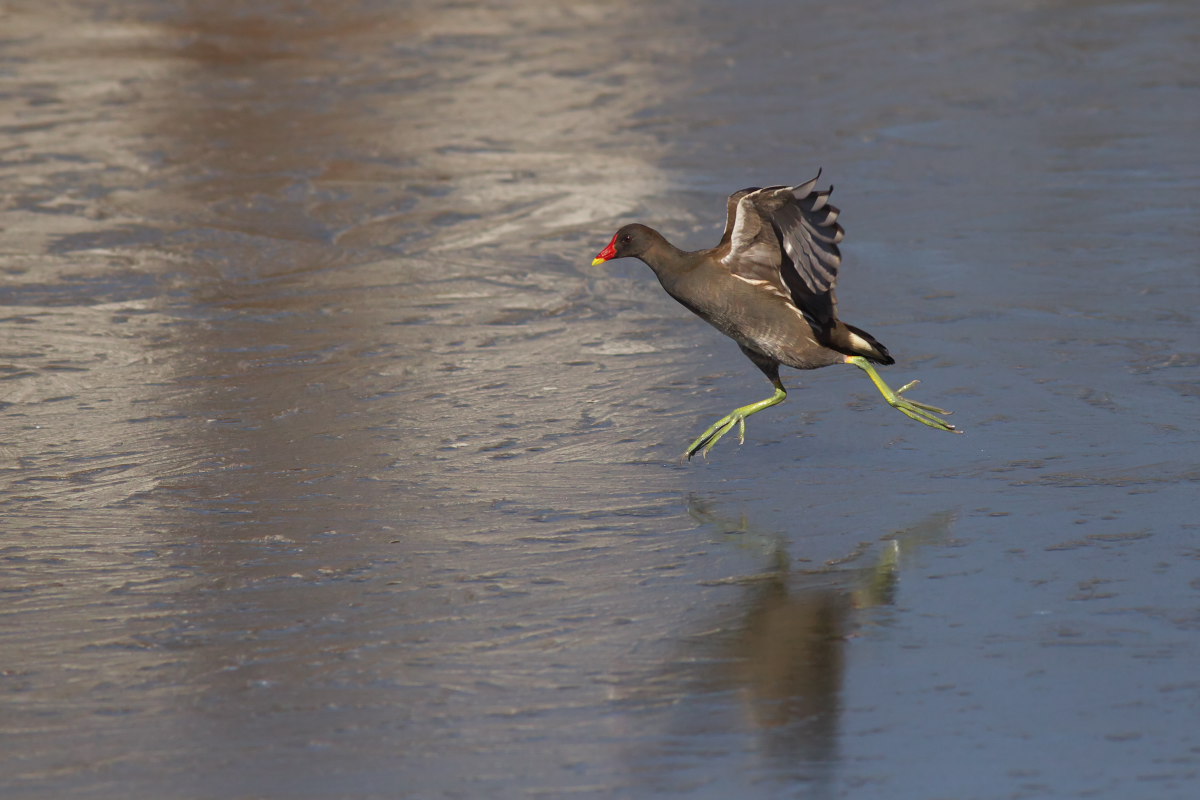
(626, 239)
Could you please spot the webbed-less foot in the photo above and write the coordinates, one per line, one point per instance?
(725, 424)
(913, 409)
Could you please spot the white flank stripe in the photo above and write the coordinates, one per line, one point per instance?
(765, 285)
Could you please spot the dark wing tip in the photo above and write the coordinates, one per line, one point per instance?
(810, 233)
(821, 217)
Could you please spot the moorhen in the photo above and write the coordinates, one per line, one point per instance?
(768, 285)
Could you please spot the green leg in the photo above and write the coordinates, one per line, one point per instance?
(921, 412)
(736, 417)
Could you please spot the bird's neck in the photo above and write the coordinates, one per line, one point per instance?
(666, 259)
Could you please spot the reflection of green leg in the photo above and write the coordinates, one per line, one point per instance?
(921, 412)
(736, 417)
(877, 585)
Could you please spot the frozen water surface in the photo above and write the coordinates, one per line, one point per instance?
(332, 469)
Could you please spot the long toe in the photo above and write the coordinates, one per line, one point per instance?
(924, 414)
(710, 437)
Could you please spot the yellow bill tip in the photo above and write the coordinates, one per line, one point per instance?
(598, 260)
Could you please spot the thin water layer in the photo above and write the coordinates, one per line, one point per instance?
(331, 469)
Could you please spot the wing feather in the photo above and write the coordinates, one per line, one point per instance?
(785, 238)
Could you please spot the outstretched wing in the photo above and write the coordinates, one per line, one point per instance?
(784, 238)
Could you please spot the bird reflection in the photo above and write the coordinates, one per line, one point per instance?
(785, 658)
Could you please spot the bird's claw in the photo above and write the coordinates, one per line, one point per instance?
(923, 413)
(710, 437)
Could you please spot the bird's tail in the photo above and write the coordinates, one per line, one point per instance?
(856, 342)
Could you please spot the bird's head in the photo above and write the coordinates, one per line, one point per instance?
(631, 240)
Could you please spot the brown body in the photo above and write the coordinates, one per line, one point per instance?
(763, 322)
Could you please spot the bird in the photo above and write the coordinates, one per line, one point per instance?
(769, 286)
